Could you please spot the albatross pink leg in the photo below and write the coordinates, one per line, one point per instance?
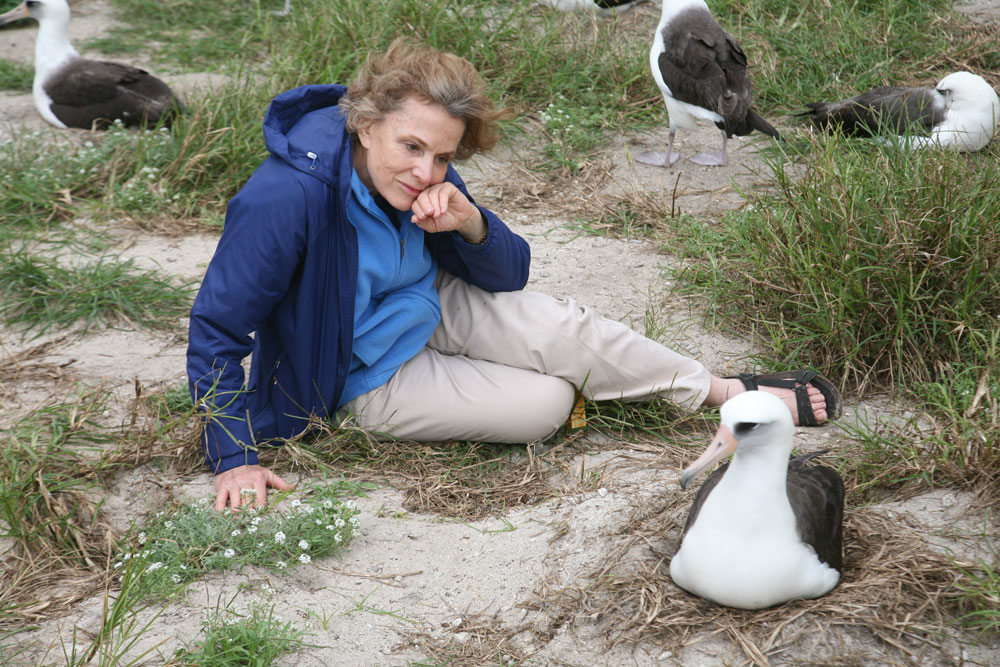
(719, 159)
(657, 159)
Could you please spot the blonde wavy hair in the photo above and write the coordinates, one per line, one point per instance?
(410, 68)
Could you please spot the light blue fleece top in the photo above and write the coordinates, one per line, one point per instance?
(396, 307)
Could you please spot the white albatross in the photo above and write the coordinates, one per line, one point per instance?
(764, 529)
(702, 72)
(962, 113)
(70, 91)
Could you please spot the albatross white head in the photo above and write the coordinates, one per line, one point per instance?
(760, 425)
(52, 46)
(973, 112)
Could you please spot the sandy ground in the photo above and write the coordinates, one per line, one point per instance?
(465, 583)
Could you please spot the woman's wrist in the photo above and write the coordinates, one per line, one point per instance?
(476, 231)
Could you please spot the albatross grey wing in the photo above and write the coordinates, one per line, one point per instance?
(88, 91)
(816, 494)
(892, 109)
(704, 66)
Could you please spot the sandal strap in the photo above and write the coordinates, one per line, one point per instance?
(797, 384)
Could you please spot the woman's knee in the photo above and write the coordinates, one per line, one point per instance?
(545, 408)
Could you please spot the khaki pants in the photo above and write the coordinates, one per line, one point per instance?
(506, 366)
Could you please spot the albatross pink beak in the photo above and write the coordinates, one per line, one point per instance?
(723, 444)
(16, 14)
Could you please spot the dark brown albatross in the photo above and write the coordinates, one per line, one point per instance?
(764, 529)
(702, 72)
(70, 91)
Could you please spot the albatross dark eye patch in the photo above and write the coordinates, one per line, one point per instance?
(742, 428)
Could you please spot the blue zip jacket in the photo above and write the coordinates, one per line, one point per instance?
(285, 270)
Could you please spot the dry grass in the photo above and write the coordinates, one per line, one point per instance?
(895, 589)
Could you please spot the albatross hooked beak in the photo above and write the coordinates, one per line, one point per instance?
(16, 14)
(723, 444)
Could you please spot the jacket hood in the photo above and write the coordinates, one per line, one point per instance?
(304, 127)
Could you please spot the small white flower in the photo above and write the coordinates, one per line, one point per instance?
(236, 533)
(303, 545)
(252, 529)
(176, 578)
(281, 565)
(229, 553)
(254, 521)
(337, 538)
(279, 537)
(328, 504)
(351, 505)
(296, 503)
(304, 558)
(339, 523)
(118, 565)
(142, 538)
(330, 526)
(169, 524)
(184, 567)
(318, 522)
(155, 566)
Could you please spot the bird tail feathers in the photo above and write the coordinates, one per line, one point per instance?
(757, 122)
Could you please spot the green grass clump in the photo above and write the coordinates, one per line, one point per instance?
(179, 547)
(15, 76)
(256, 638)
(39, 294)
(980, 601)
(186, 34)
(878, 265)
(865, 44)
(48, 463)
(121, 169)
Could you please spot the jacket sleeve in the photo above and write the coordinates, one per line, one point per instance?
(499, 264)
(253, 265)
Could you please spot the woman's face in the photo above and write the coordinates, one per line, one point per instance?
(407, 151)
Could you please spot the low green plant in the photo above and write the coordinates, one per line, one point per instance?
(48, 463)
(980, 602)
(176, 548)
(574, 132)
(188, 36)
(866, 44)
(41, 293)
(878, 265)
(124, 623)
(48, 176)
(255, 638)
(15, 76)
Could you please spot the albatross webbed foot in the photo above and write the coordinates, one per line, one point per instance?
(715, 159)
(657, 158)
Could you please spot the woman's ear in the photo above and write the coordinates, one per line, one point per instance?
(365, 135)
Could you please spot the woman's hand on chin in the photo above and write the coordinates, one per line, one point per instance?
(443, 208)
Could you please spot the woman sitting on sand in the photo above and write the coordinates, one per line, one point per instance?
(375, 287)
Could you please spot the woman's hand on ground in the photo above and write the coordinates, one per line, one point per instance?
(246, 486)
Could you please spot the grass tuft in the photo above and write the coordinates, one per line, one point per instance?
(256, 638)
(39, 294)
(881, 266)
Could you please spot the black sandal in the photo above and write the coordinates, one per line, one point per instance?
(797, 381)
